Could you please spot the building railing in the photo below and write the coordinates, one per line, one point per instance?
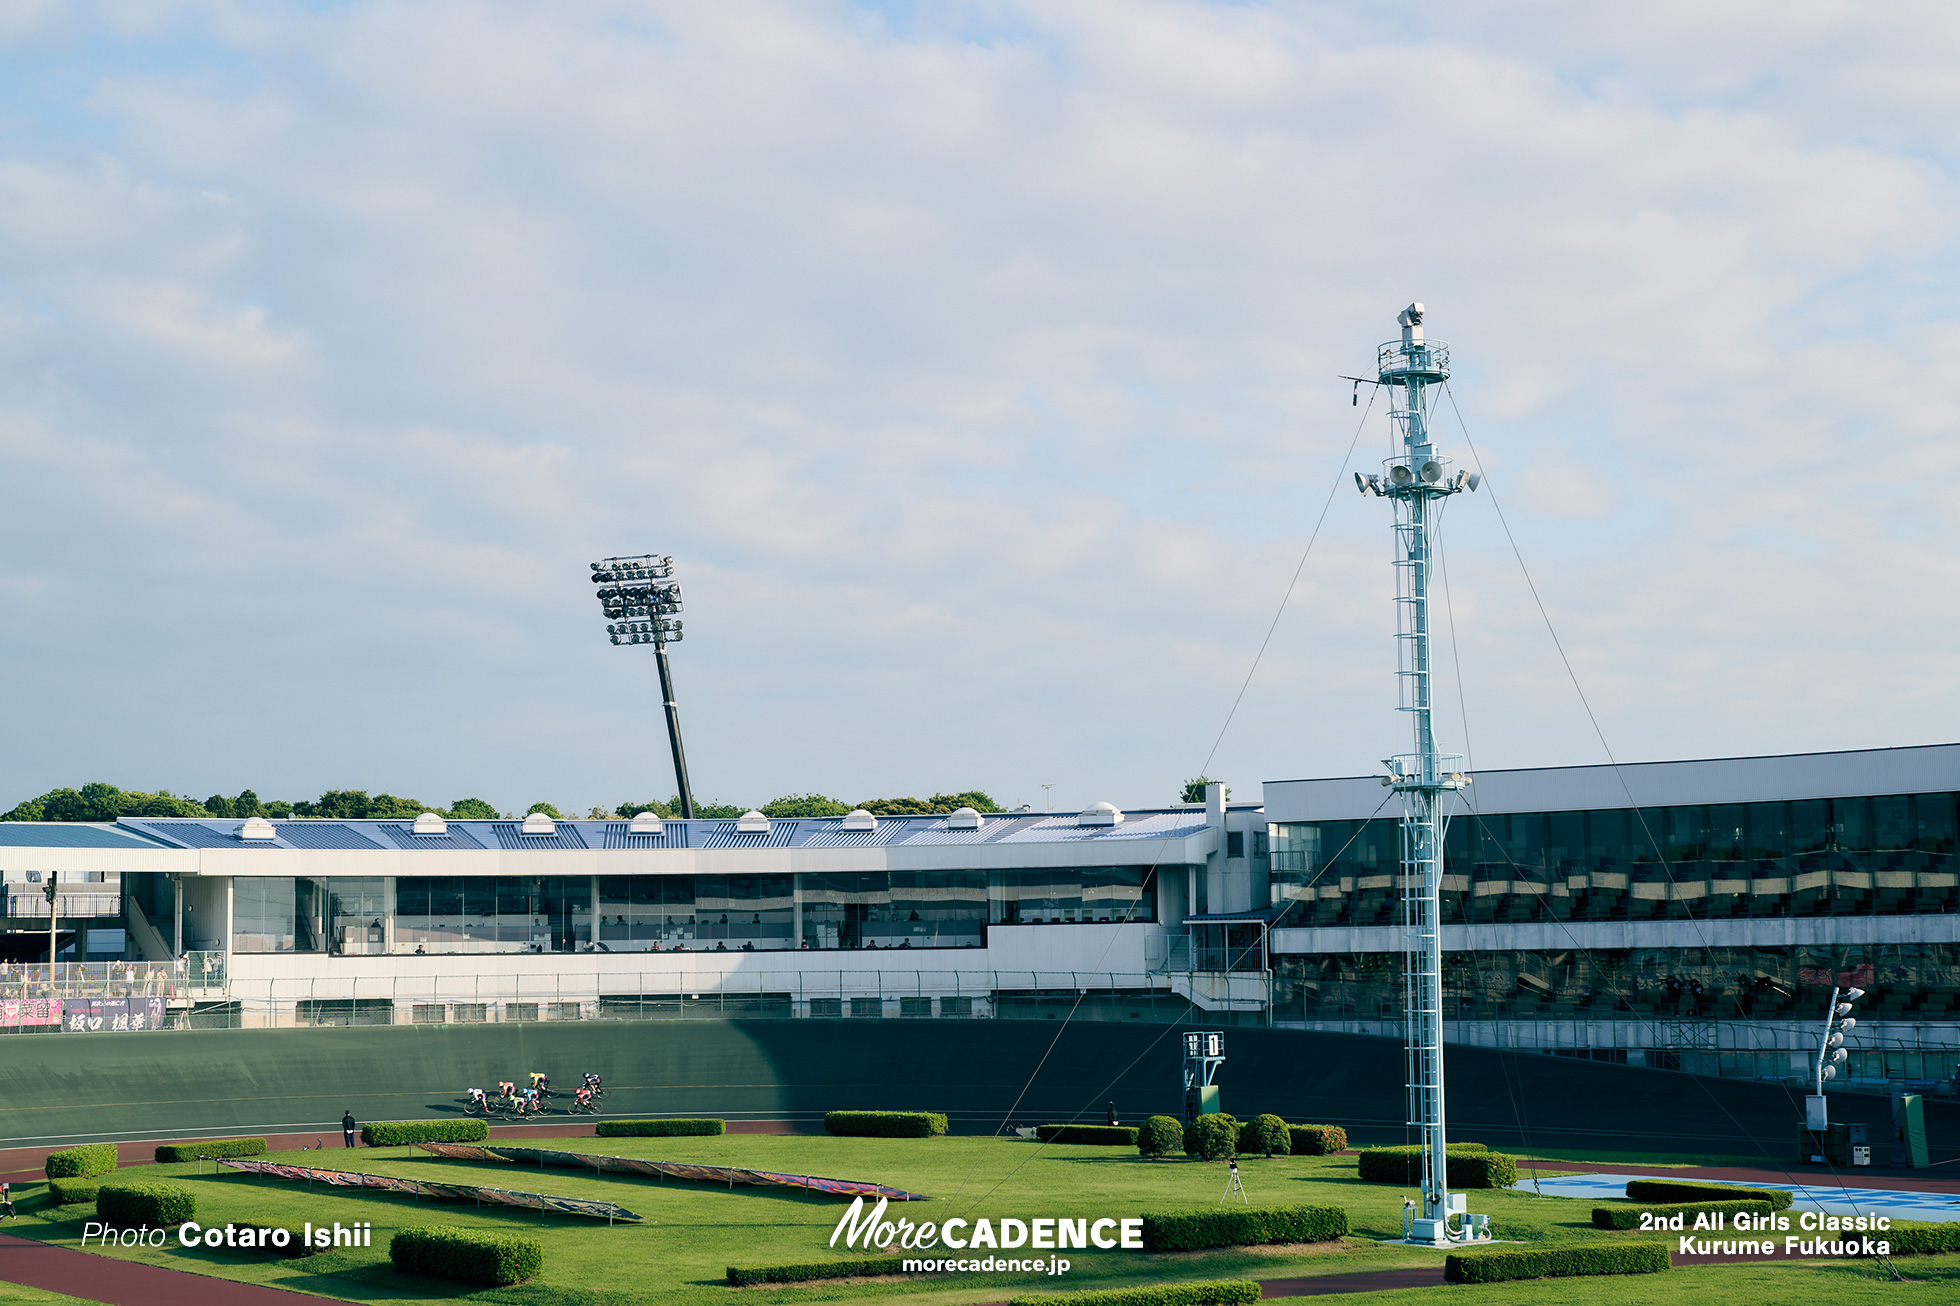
(192, 975)
(29, 903)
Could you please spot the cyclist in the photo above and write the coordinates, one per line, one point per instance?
(584, 1096)
(540, 1083)
(478, 1101)
(506, 1088)
(592, 1082)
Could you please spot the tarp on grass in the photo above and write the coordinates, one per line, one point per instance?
(714, 1174)
(423, 1188)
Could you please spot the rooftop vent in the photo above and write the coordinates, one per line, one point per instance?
(860, 819)
(257, 827)
(1100, 814)
(752, 823)
(429, 823)
(539, 824)
(645, 823)
(963, 819)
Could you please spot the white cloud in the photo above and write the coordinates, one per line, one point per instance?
(981, 374)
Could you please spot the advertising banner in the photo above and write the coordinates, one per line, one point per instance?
(30, 1011)
(111, 1015)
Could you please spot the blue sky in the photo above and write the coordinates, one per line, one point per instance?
(978, 364)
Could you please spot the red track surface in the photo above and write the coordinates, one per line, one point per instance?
(128, 1283)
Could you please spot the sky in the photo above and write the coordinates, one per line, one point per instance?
(980, 365)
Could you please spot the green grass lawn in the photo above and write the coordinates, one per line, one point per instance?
(693, 1231)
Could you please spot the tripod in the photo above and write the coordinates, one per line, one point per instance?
(1234, 1185)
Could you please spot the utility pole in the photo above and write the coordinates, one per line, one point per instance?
(50, 889)
(1417, 480)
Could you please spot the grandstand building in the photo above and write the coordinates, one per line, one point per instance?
(1687, 915)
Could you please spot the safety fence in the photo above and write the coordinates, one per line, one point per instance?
(186, 976)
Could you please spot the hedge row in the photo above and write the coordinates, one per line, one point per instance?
(167, 1152)
(1223, 1292)
(73, 1192)
(400, 1133)
(1243, 1226)
(1094, 1135)
(886, 1124)
(1160, 1136)
(670, 1128)
(1317, 1140)
(743, 1277)
(1922, 1239)
(1213, 1137)
(84, 1162)
(1679, 1190)
(1628, 1217)
(466, 1256)
(1557, 1263)
(131, 1203)
(1470, 1165)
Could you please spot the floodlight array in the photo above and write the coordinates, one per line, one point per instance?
(641, 588)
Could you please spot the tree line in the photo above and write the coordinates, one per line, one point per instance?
(105, 802)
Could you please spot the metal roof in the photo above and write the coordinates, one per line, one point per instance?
(69, 834)
(793, 832)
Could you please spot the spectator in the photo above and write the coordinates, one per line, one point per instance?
(347, 1127)
(1112, 1113)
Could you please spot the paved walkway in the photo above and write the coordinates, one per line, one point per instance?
(129, 1283)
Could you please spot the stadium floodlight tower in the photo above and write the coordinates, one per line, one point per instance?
(642, 602)
(1418, 480)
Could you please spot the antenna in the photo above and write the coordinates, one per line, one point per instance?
(1417, 479)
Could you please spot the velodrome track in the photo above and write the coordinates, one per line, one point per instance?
(63, 1088)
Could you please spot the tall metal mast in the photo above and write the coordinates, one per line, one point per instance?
(1418, 479)
(644, 602)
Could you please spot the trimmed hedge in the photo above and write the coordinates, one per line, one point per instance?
(1675, 1191)
(400, 1133)
(1317, 1140)
(1628, 1217)
(73, 1192)
(1160, 1136)
(168, 1152)
(131, 1203)
(670, 1128)
(1243, 1226)
(1222, 1292)
(84, 1162)
(885, 1124)
(746, 1276)
(1557, 1263)
(466, 1255)
(1094, 1135)
(1470, 1165)
(1267, 1135)
(1919, 1238)
(1213, 1137)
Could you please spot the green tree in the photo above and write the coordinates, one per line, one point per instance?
(247, 804)
(135, 802)
(338, 804)
(26, 810)
(898, 806)
(472, 809)
(716, 811)
(547, 809)
(100, 802)
(278, 809)
(387, 807)
(665, 811)
(791, 805)
(218, 805)
(63, 805)
(974, 798)
(1194, 790)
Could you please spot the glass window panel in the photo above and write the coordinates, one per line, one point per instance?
(1810, 826)
(1892, 822)
(1933, 815)
(1769, 830)
(1727, 829)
